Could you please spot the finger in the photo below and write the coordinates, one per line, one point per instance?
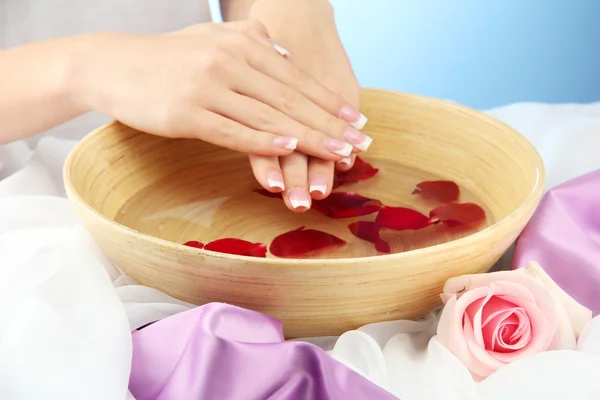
(320, 177)
(261, 87)
(297, 79)
(267, 172)
(225, 132)
(345, 163)
(261, 117)
(295, 176)
(263, 59)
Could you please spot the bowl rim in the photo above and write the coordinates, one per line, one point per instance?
(537, 189)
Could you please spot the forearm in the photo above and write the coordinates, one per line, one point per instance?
(37, 89)
(235, 10)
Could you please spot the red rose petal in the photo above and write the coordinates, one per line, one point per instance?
(237, 246)
(266, 193)
(458, 214)
(401, 219)
(382, 246)
(346, 205)
(194, 243)
(442, 191)
(303, 242)
(360, 171)
(365, 230)
(369, 231)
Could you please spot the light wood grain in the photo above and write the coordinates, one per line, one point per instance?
(120, 181)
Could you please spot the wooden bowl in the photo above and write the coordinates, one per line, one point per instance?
(140, 196)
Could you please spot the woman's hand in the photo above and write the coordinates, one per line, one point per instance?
(222, 83)
(315, 47)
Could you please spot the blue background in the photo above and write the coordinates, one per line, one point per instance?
(481, 53)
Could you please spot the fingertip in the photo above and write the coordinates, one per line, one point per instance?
(299, 200)
(345, 163)
(319, 188)
(275, 182)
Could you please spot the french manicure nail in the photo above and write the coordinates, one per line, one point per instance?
(280, 49)
(319, 184)
(275, 180)
(353, 117)
(345, 160)
(299, 198)
(358, 139)
(283, 142)
(362, 121)
(338, 147)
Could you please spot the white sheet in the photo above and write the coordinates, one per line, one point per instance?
(67, 312)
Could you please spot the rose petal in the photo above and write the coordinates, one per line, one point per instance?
(450, 333)
(491, 330)
(237, 246)
(442, 191)
(369, 231)
(541, 334)
(495, 320)
(194, 243)
(524, 330)
(484, 364)
(401, 218)
(346, 205)
(474, 311)
(303, 242)
(360, 171)
(446, 297)
(495, 314)
(506, 331)
(458, 214)
(578, 315)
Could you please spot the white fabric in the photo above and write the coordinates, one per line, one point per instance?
(67, 312)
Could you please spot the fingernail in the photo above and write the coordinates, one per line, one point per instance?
(299, 198)
(358, 139)
(353, 117)
(345, 160)
(319, 184)
(338, 147)
(283, 142)
(362, 121)
(280, 49)
(275, 180)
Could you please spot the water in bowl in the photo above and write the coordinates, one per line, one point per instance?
(212, 201)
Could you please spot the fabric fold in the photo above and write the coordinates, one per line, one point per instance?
(564, 237)
(222, 352)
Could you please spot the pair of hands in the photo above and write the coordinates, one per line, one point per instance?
(316, 48)
(226, 84)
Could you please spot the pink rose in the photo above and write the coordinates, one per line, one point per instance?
(490, 320)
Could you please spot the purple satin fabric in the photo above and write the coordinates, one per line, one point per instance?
(223, 352)
(563, 236)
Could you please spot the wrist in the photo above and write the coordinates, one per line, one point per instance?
(322, 7)
(75, 72)
(297, 24)
(97, 63)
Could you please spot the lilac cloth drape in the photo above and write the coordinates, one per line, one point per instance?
(223, 352)
(563, 236)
